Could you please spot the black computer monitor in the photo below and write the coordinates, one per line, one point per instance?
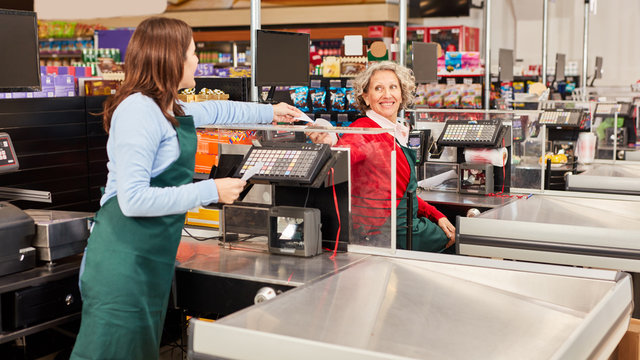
(282, 58)
(560, 63)
(424, 62)
(20, 60)
(505, 62)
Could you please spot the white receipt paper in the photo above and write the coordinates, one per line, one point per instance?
(304, 118)
(252, 171)
(432, 182)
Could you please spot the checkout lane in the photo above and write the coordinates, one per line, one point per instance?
(463, 308)
(393, 286)
(591, 232)
(612, 178)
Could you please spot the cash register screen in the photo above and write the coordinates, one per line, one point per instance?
(414, 141)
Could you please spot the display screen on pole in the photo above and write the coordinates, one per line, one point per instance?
(20, 60)
(282, 58)
(560, 59)
(425, 62)
(505, 61)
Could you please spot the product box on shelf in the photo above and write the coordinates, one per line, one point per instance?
(455, 38)
(208, 140)
(99, 86)
(454, 96)
(64, 85)
(202, 216)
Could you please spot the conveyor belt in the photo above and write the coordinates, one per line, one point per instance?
(619, 178)
(601, 233)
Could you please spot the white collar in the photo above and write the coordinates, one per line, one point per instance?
(382, 121)
(401, 132)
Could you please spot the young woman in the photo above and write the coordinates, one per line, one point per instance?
(129, 260)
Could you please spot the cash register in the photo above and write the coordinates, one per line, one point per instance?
(302, 214)
(16, 227)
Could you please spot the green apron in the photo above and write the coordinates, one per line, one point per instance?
(427, 236)
(129, 268)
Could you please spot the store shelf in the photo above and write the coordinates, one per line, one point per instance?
(314, 33)
(60, 55)
(281, 15)
(460, 73)
(77, 38)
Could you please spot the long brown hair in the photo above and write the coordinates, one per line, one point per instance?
(154, 65)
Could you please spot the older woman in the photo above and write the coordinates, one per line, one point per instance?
(381, 91)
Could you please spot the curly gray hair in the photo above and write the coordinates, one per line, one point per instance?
(405, 77)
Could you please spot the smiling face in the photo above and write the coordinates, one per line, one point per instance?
(384, 94)
(190, 65)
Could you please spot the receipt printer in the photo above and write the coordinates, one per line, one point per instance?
(295, 231)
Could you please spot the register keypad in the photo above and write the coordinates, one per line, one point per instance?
(7, 154)
(298, 164)
(470, 133)
(565, 117)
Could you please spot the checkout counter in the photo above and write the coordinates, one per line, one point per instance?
(398, 304)
(39, 261)
(611, 178)
(579, 231)
(418, 305)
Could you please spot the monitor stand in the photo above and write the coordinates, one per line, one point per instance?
(595, 75)
(270, 95)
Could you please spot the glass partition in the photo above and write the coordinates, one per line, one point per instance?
(525, 144)
(357, 182)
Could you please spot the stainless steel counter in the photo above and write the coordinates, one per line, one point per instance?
(592, 232)
(470, 200)
(209, 258)
(619, 178)
(430, 307)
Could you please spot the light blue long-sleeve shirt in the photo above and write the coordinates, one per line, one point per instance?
(142, 144)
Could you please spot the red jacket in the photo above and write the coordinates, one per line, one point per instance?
(371, 176)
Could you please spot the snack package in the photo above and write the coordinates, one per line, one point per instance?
(421, 95)
(434, 95)
(453, 60)
(318, 96)
(299, 97)
(331, 66)
(338, 98)
(470, 59)
(352, 65)
(451, 97)
(350, 99)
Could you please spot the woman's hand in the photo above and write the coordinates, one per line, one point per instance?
(448, 229)
(321, 137)
(284, 112)
(229, 189)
